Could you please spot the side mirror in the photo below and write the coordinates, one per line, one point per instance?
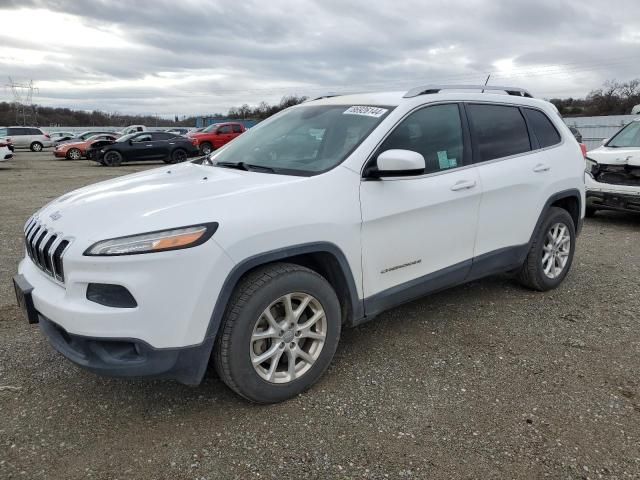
(397, 163)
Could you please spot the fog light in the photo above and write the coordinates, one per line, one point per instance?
(110, 295)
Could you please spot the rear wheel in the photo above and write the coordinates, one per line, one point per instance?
(112, 158)
(36, 147)
(177, 156)
(279, 333)
(206, 148)
(551, 252)
(74, 154)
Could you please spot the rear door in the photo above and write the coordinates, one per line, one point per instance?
(514, 170)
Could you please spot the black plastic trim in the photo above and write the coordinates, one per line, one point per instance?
(357, 309)
(416, 288)
(103, 355)
(212, 227)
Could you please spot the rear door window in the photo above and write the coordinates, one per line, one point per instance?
(542, 127)
(499, 131)
(225, 129)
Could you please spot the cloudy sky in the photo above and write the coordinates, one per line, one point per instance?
(193, 57)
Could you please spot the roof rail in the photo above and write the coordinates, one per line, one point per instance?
(330, 95)
(431, 89)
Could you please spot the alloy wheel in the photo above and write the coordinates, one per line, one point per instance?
(288, 337)
(556, 250)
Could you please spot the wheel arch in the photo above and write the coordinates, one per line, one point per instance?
(569, 200)
(325, 258)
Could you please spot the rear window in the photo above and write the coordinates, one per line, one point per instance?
(542, 127)
(500, 131)
(237, 129)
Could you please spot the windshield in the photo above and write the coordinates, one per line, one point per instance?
(629, 136)
(210, 128)
(126, 138)
(304, 140)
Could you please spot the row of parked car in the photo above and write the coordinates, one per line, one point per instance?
(134, 143)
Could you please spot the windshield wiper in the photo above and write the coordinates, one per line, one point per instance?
(245, 166)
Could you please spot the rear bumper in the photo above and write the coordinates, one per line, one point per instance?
(116, 357)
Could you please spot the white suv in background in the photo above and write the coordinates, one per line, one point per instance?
(613, 172)
(320, 217)
(26, 137)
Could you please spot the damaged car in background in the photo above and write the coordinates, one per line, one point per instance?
(613, 172)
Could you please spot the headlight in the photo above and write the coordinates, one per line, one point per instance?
(160, 241)
(590, 165)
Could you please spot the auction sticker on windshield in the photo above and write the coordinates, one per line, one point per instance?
(375, 112)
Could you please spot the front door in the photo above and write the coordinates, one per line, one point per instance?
(418, 233)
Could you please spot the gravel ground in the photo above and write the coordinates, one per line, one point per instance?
(487, 380)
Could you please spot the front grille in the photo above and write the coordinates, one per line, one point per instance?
(45, 248)
(618, 175)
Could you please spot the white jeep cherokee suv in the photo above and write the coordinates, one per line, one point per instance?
(613, 172)
(320, 217)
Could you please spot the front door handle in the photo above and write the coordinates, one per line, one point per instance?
(463, 185)
(541, 167)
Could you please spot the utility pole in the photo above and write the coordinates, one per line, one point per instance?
(23, 100)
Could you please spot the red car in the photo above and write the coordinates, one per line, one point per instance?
(77, 150)
(216, 135)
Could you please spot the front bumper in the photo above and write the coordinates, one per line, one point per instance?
(116, 357)
(604, 196)
(60, 153)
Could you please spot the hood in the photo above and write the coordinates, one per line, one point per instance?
(72, 143)
(166, 197)
(616, 156)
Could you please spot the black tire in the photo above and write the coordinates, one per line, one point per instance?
(206, 148)
(532, 274)
(590, 212)
(36, 147)
(254, 293)
(74, 154)
(177, 156)
(112, 158)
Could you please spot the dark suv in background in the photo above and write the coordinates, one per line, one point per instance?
(141, 146)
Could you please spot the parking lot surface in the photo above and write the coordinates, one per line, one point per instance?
(487, 380)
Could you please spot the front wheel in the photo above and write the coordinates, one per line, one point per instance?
(279, 333)
(551, 252)
(112, 158)
(206, 148)
(74, 154)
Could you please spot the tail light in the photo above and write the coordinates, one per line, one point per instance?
(3, 144)
(194, 141)
(583, 147)
(46, 135)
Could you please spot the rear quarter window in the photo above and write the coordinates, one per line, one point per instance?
(543, 129)
(499, 131)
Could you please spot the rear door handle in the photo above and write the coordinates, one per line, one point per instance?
(541, 167)
(463, 185)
